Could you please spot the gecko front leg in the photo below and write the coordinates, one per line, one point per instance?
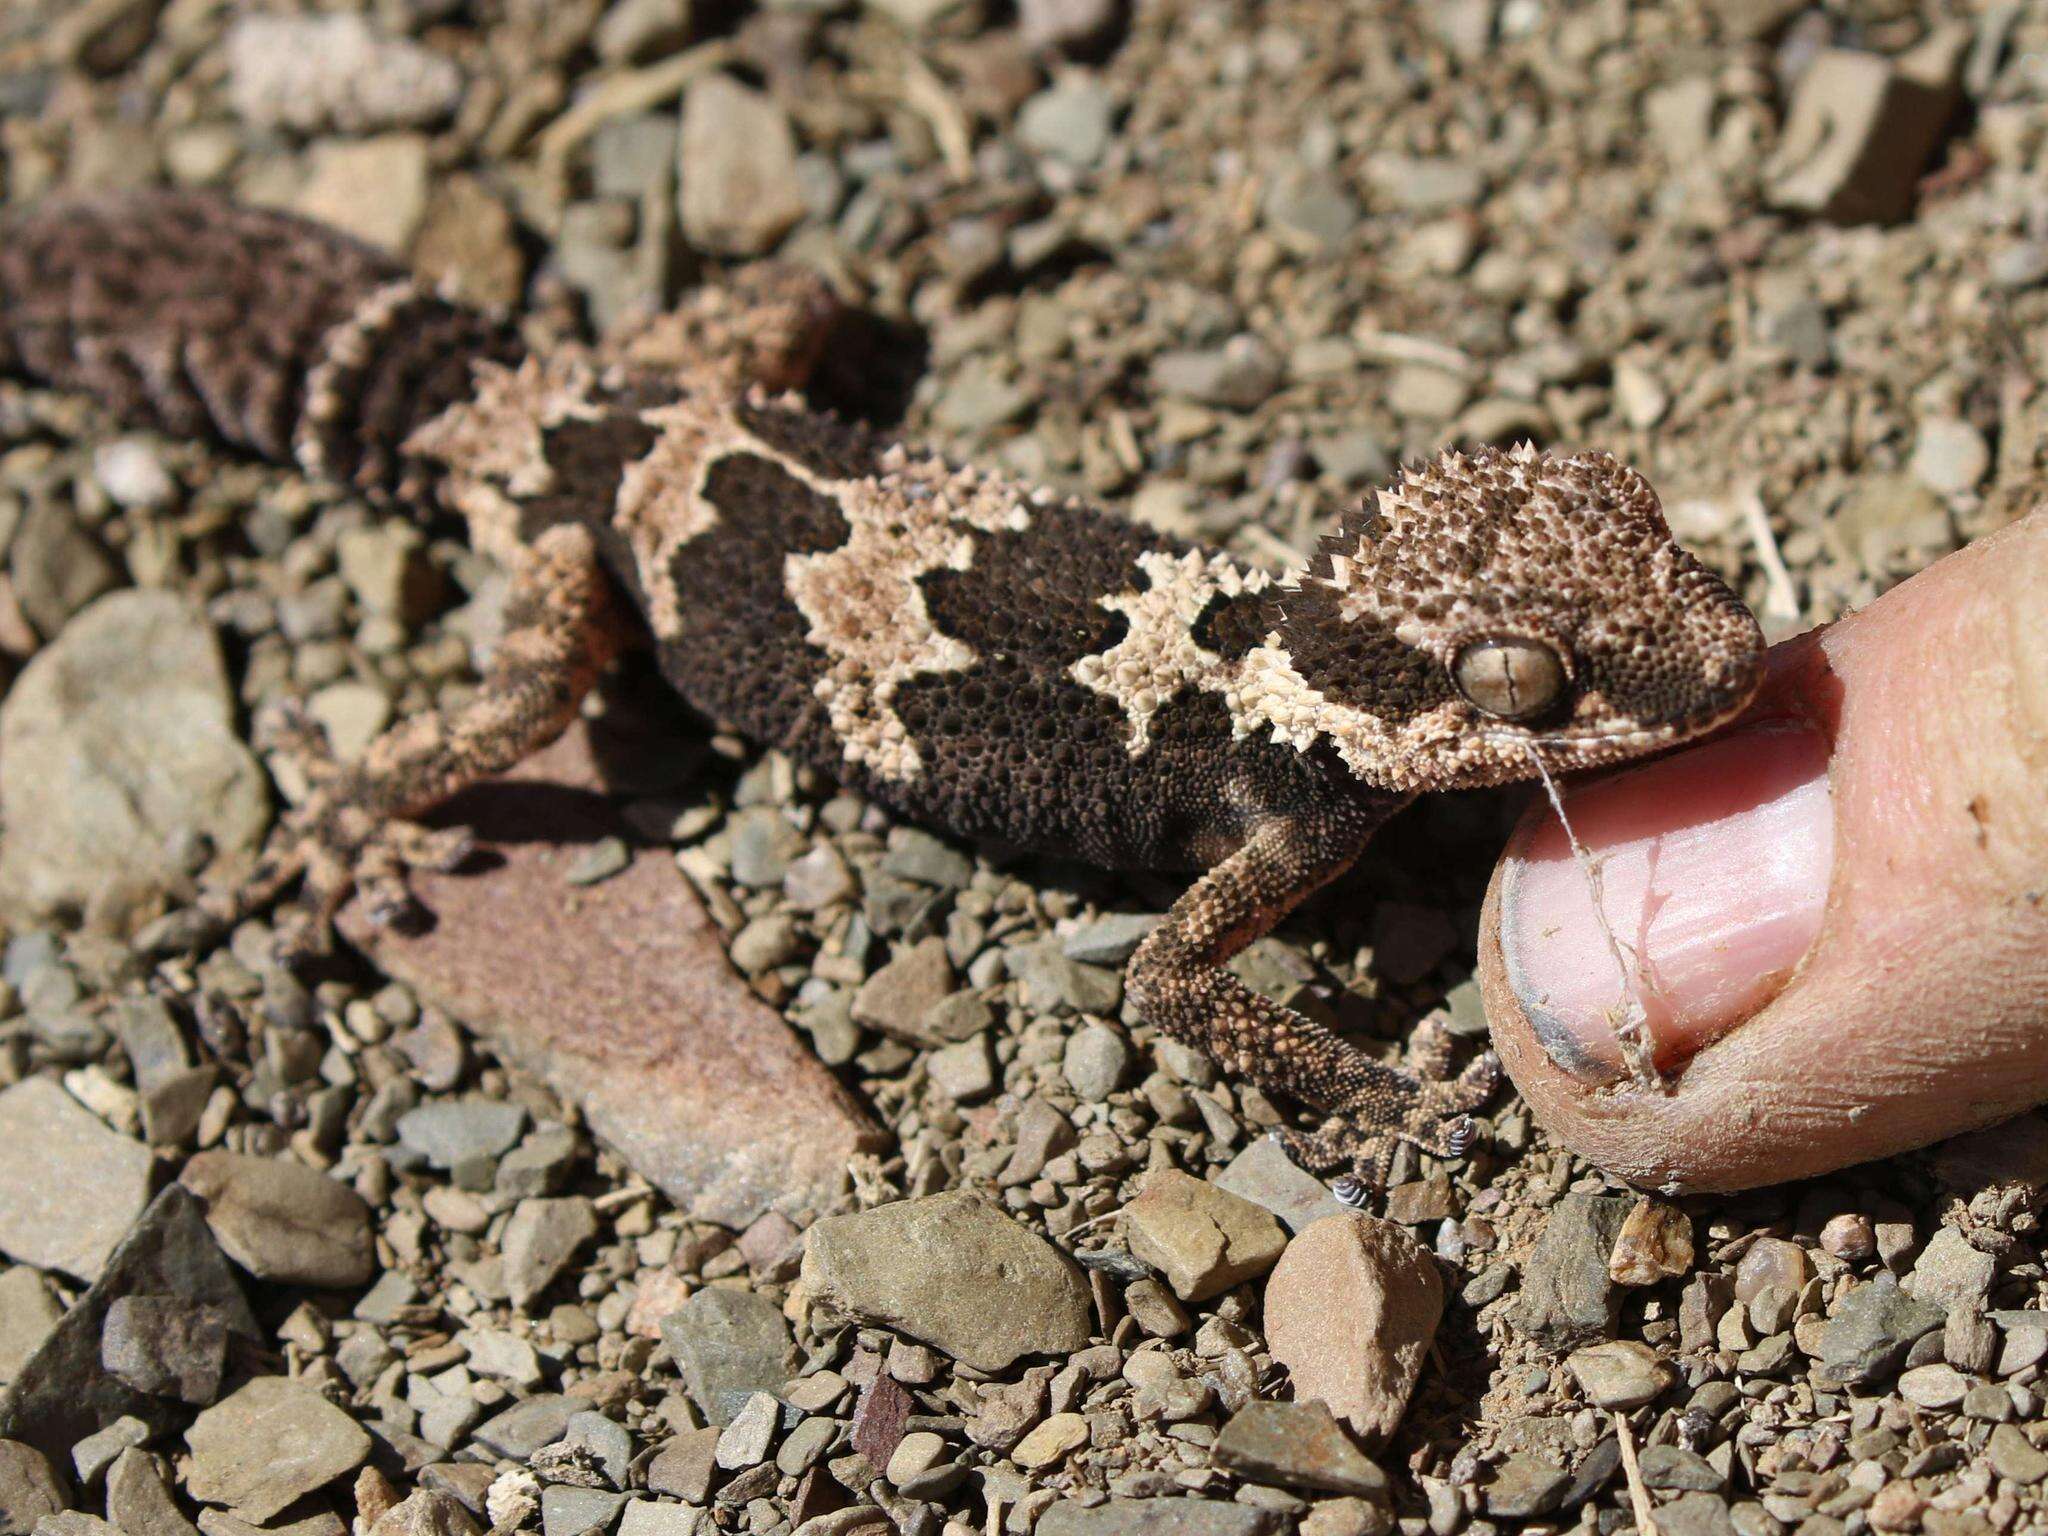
(355, 830)
(1179, 983)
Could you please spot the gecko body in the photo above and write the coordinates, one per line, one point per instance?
(991, 660)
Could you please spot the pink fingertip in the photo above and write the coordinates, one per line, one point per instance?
(1713, 873)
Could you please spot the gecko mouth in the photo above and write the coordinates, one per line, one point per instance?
(1592, 747)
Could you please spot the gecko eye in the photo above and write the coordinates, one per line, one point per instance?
(1510, 679)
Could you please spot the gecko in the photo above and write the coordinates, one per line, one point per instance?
(995, 661)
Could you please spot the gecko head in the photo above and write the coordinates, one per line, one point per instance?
(1491, 603)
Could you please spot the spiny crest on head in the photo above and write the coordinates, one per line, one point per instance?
(1457, 505)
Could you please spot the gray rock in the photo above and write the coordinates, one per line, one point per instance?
(1311, 209)
(1950, 1273)
(527, 1426)
(1096, 1061)
(1673, 1466)
(747, 1440)
(1051, 980)
(118, 752)
(455, 1131)
(1264, 1174)
(1950, 457)
(923, 1267)
(387, 567)
(1698, 1514)
(139, 1497)
(63, 1393)
(540, 1239)
(426, 1512)
(273, 1441)
(966, 1071)
(927, 860)
(310, 73)
(1111, 939)
(374, 189)
(97, 1451)
(1567, 1295)
(608, 1442)
(166, 1346)
(28, 1314)
(1156, 1517)
(1869, 1332)
(29, 1488)
(1523, 1485)
(58, 567)
(1069, 120)
(2016, 1457)
(1297, 1445)
(283, 1221)
(728, 1345)
(1069, 25)
(651, 1517)
(1238, 375)
(69, 1186)
(568, 1511)
(740, 190)
(131, 470)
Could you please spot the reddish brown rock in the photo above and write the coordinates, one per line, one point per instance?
(619, 995)
(1351, 1309)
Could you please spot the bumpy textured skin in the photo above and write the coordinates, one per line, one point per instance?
(999, 662)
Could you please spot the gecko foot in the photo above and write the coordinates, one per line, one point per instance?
(1433, 1114)
(332, 844)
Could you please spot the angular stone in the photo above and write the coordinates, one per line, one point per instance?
(1200, 1236)
(117, 752)
(69, 1184)
(899, 998)
(740, 191)
(166, 1346)
(631, 1011)
(1950, 1273)
(139, 1497)
(1264, 1174)
(273, 1441)
(1297, 1445)
(1156, 1517)
(955, 1272)
(63, 1393)
(30, 1488)
(283, 1221)
(1654, 1244)
(28, 1314)
(540, 1239)
(528, 1425)
(1859, 130)
(1872, 1327)
(1351, 1310)
(426, 1512)
(1620, 1373)
(1568, 1296)
(1523, 1485)
(728, 1344)
(326, 72)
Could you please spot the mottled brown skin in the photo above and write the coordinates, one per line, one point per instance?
(996, 662)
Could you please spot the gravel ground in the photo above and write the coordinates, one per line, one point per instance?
(291, 1254)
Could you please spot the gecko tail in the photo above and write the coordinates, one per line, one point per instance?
(197, 317)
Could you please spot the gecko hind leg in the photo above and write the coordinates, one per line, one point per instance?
(355, 830)
(1178, 981)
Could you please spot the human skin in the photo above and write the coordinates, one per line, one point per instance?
(1839, 908)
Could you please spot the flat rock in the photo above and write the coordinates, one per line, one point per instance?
(271, 1442)
(1155, 1517)
(1858, 133)
(1619, 1373)
(1264, 1174)
(740, 193)
(540, 1239)
(1297, 1445)
(455, 1131)
(29, 1488)
(63, 1393)
(528, 1425)
(70, 1185)
(1351, 1310)
(1200, 1236)
(166, 1346)
(283, 1221)
(631, 1010)
(139, 1497)
(1524, 1485)
(1568, 1294)
(955, 1272)
(728, 1344)
(1869, 1332)
(317, 72)
(28, 1314)
(426, 1512)
(117, 750)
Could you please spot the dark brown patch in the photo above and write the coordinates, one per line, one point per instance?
(1360, 662)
